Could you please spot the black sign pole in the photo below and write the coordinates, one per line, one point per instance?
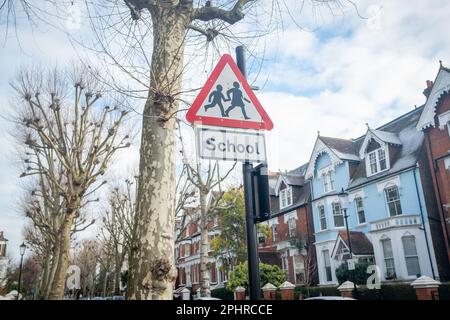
(247, 169)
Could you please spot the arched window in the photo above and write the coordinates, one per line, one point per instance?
(393, 200)
(411, 257)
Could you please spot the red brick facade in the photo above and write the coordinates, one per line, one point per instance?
(304, 230)
(436, 184)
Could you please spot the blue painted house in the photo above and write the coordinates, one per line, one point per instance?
(387, 216)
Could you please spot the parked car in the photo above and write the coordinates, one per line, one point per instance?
(206, 298)
(335, 298)
(118, 298)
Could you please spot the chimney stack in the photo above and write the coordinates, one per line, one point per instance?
(428, 89)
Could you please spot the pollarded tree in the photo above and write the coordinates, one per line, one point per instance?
(117, 226)
(70, 134)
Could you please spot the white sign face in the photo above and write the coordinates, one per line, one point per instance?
(227, 99)
(351, 264)
(231, 144)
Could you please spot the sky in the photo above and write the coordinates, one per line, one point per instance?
(333, 74)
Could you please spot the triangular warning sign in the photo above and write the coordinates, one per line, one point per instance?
(226, 100)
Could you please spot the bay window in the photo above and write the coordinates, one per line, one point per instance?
(327, 265)
(388, 259)
(411, 257)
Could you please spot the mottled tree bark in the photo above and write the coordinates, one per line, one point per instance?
(59, 281)
(205, 290)
(152, 269)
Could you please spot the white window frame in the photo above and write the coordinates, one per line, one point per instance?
(286, 197)
(360, 209)
(444, 120)
(327, 267)
(392, 201)
(274, 233)
(385, 259)
(292, 227)
(376, 155)
(337, 213)
(328, 181)
(414, 256)
(322, 215)
(187, 249)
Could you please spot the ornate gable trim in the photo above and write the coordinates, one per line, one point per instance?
(319, 149)
(440, 87)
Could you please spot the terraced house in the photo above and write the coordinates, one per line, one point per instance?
(374, 183)
(291, 241)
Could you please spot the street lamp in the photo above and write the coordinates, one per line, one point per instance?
(343, 197)
(22, 249)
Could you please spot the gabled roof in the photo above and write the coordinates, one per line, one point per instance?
(338, 150)
(411, 140)
(361, 245)
(385, 136)
(300, 170)
(441, 86)
(296, 180)
(343, 148)
(381, 136)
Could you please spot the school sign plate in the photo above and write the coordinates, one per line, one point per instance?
(228, 144)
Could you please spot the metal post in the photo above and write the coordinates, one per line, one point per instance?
(20, 276)
(350, 247)
(252, 249)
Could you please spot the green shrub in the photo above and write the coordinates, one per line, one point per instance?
(361, 275)
(222, 293)
(267, 273)
(398, 292)
(315, 292)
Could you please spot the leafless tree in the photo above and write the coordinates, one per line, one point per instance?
(117, 226)
(206, 180)
(87, 259)
(69, 139)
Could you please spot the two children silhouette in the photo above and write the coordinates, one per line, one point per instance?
(237, 100)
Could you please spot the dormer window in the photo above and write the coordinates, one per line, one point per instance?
(376, 161)
(285, 197)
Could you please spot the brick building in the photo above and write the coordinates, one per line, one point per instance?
(187, 251)
(291, 241)
(435, 124)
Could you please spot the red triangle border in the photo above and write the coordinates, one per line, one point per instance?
(192, 116)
